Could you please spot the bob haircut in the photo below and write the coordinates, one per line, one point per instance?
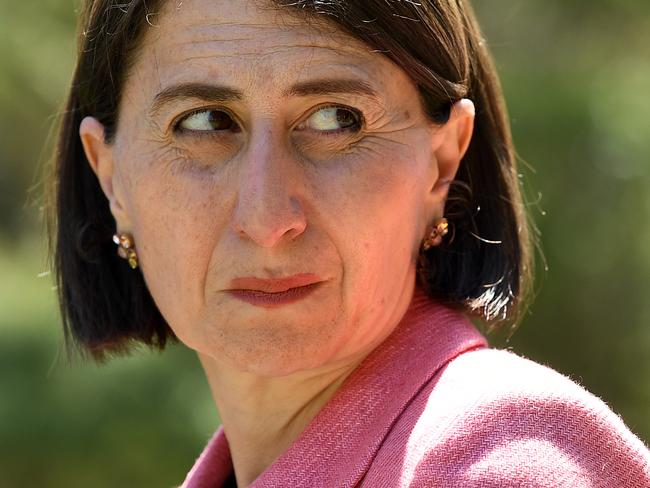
(484, 267)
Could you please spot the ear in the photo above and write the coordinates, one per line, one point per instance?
(450, 144)
(100, 157)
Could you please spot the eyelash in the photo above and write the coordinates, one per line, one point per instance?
(177, 129)
(211, 134)
(333, 133)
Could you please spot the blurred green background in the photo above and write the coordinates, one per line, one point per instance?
(576, 75)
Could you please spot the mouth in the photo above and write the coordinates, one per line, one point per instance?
(272, 293)
(274, 285)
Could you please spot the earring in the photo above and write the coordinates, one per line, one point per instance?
(126, 249)
(439, 230)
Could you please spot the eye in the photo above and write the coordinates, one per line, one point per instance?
(208, 120)
(332, 119)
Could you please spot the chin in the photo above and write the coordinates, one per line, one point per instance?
(277, 362)
(271, 342)
(274, 349)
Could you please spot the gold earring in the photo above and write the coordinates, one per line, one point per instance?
(439, 230)
(126, 249)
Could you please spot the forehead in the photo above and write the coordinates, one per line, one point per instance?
(248, 41)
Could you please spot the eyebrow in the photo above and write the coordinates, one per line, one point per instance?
(200, 91)
(220, 93)
(331, 86)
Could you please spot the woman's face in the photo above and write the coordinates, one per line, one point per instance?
(252, 144)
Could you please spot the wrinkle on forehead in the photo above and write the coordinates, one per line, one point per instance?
(236, 48)
(259, 14)
(258, 52)
(202, 29)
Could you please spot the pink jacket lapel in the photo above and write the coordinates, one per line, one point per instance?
(339, 445)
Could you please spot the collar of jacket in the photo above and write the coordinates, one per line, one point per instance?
(340, 443)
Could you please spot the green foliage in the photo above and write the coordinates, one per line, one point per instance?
(137, 421)
(36, 59)
(575, 75)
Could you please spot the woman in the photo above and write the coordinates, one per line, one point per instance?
(313, 196)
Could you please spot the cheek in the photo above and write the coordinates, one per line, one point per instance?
(176, 220)
(375, 208)
(365, 208)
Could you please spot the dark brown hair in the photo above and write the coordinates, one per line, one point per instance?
(485, 265)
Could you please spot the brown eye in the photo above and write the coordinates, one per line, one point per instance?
(332, 119)
(208, 120)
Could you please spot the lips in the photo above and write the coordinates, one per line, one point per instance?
(274, 285)
(274, 293)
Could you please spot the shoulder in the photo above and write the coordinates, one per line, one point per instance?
(492, 418)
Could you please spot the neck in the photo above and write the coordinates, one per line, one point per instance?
(262, 416)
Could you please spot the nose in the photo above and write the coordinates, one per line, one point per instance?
(269, 210)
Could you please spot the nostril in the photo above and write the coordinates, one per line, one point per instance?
(268, 224)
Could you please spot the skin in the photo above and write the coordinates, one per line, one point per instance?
(275, 193)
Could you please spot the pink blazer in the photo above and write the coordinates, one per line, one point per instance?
(434, 407)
